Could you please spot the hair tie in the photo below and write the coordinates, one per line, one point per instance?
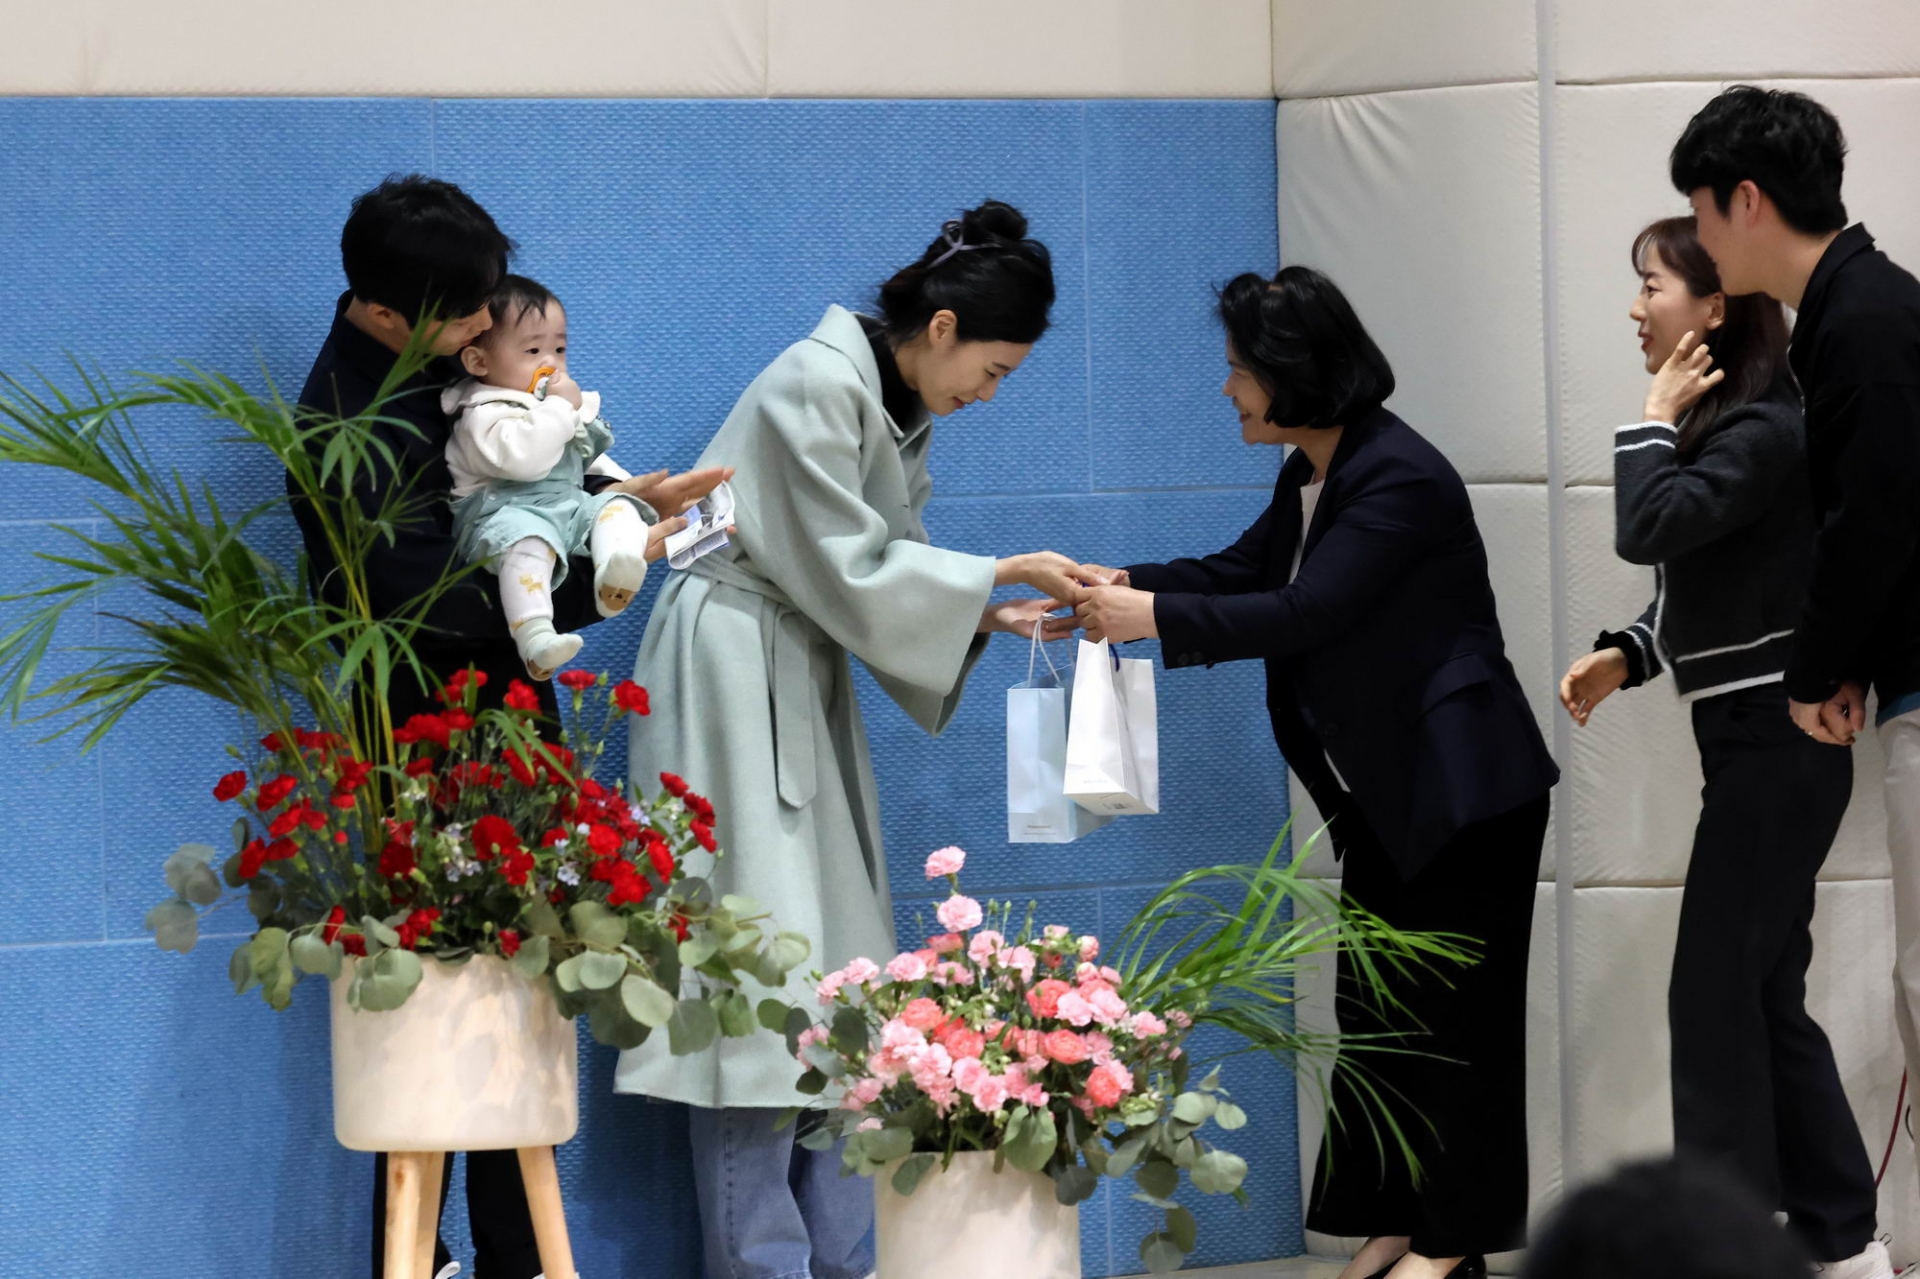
(952, 230)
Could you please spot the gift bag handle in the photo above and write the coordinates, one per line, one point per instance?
(1040, 649)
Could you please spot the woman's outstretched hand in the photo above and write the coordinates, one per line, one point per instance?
(1052, 574)
(1019, 617)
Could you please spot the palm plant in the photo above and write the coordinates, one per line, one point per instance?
(1226, 944)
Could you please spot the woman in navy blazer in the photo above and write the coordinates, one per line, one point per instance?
(1364, 589)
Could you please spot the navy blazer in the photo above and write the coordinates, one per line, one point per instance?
(1384, 654)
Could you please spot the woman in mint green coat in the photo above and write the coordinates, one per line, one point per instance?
(745, 658)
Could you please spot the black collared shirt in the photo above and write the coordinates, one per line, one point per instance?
(901, 401)
(346, 381)
(1856, 353)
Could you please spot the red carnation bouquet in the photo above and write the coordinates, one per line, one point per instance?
(481, 836)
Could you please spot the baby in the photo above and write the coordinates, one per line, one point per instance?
(524, 434)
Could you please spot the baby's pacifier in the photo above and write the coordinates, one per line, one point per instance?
(542, 376)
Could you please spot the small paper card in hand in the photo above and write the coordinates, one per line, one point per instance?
(706, 530)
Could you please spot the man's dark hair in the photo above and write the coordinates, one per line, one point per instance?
(418, 244)
(1299, 336)
(1666, 1219)
(1785, 143)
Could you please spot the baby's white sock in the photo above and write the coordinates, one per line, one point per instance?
(526, 595)
(618, 545)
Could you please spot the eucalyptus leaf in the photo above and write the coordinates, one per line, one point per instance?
(812, 1084)
(692, 1027)
(735, 1012)
(1158, 1178)
(1036, 1145)
(646, 1002)
(383, 932)
(1125, 1155)
(885, 1145)
(1161, 1254)
(1230, 1116)
(182, 860)
(311, 955)
(772, 1014)
(175, 925)
(1182, 1229)
(739, 905)
(402, 966)
(240, 968)
(379, 994)
(531, 959)
(1075, 1184)
(849, 1030)
(598, 926)
(1218, 1172)
(189, 872)
(906, 1178)
(1194, 1107)
(789, 950)
(567, 975)
(698, 949)
(609, 1024)
(269, 950)
(600, 971)
(230, 872)
(241, 832)
(543, 919)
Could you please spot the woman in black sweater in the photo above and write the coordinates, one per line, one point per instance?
(1710, 488)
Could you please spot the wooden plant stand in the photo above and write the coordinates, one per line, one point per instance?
(413, 1212)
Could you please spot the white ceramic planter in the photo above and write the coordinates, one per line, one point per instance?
(478, 1058)
(968, 1221)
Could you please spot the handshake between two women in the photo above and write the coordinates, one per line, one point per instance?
(1105, 605)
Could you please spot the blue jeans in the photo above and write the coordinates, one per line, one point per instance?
(772, 1209)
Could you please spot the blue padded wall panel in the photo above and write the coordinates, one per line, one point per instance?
(1180, 199)
(151, 1122)
(51, 817)
(151, 232)
(695, 242)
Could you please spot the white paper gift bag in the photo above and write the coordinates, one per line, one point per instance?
(1113, 734)
(1038, 810)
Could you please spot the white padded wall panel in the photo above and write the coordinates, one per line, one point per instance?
(1020, 48)
(1849, 992)
(1735, 39)
(1364, 46)
(1632, 774)
(1513, 523)
(1545, 1173)
(1619, 1103)
(626, 48)
(1621, 1097)
(1609, 173)
(1422, 205)
(46, 51)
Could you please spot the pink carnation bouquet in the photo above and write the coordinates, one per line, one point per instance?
(1020, 1041)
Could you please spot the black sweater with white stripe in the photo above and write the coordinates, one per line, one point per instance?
(1729, 529)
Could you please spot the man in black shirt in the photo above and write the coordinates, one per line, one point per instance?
(1762, 169)
(416, 247)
